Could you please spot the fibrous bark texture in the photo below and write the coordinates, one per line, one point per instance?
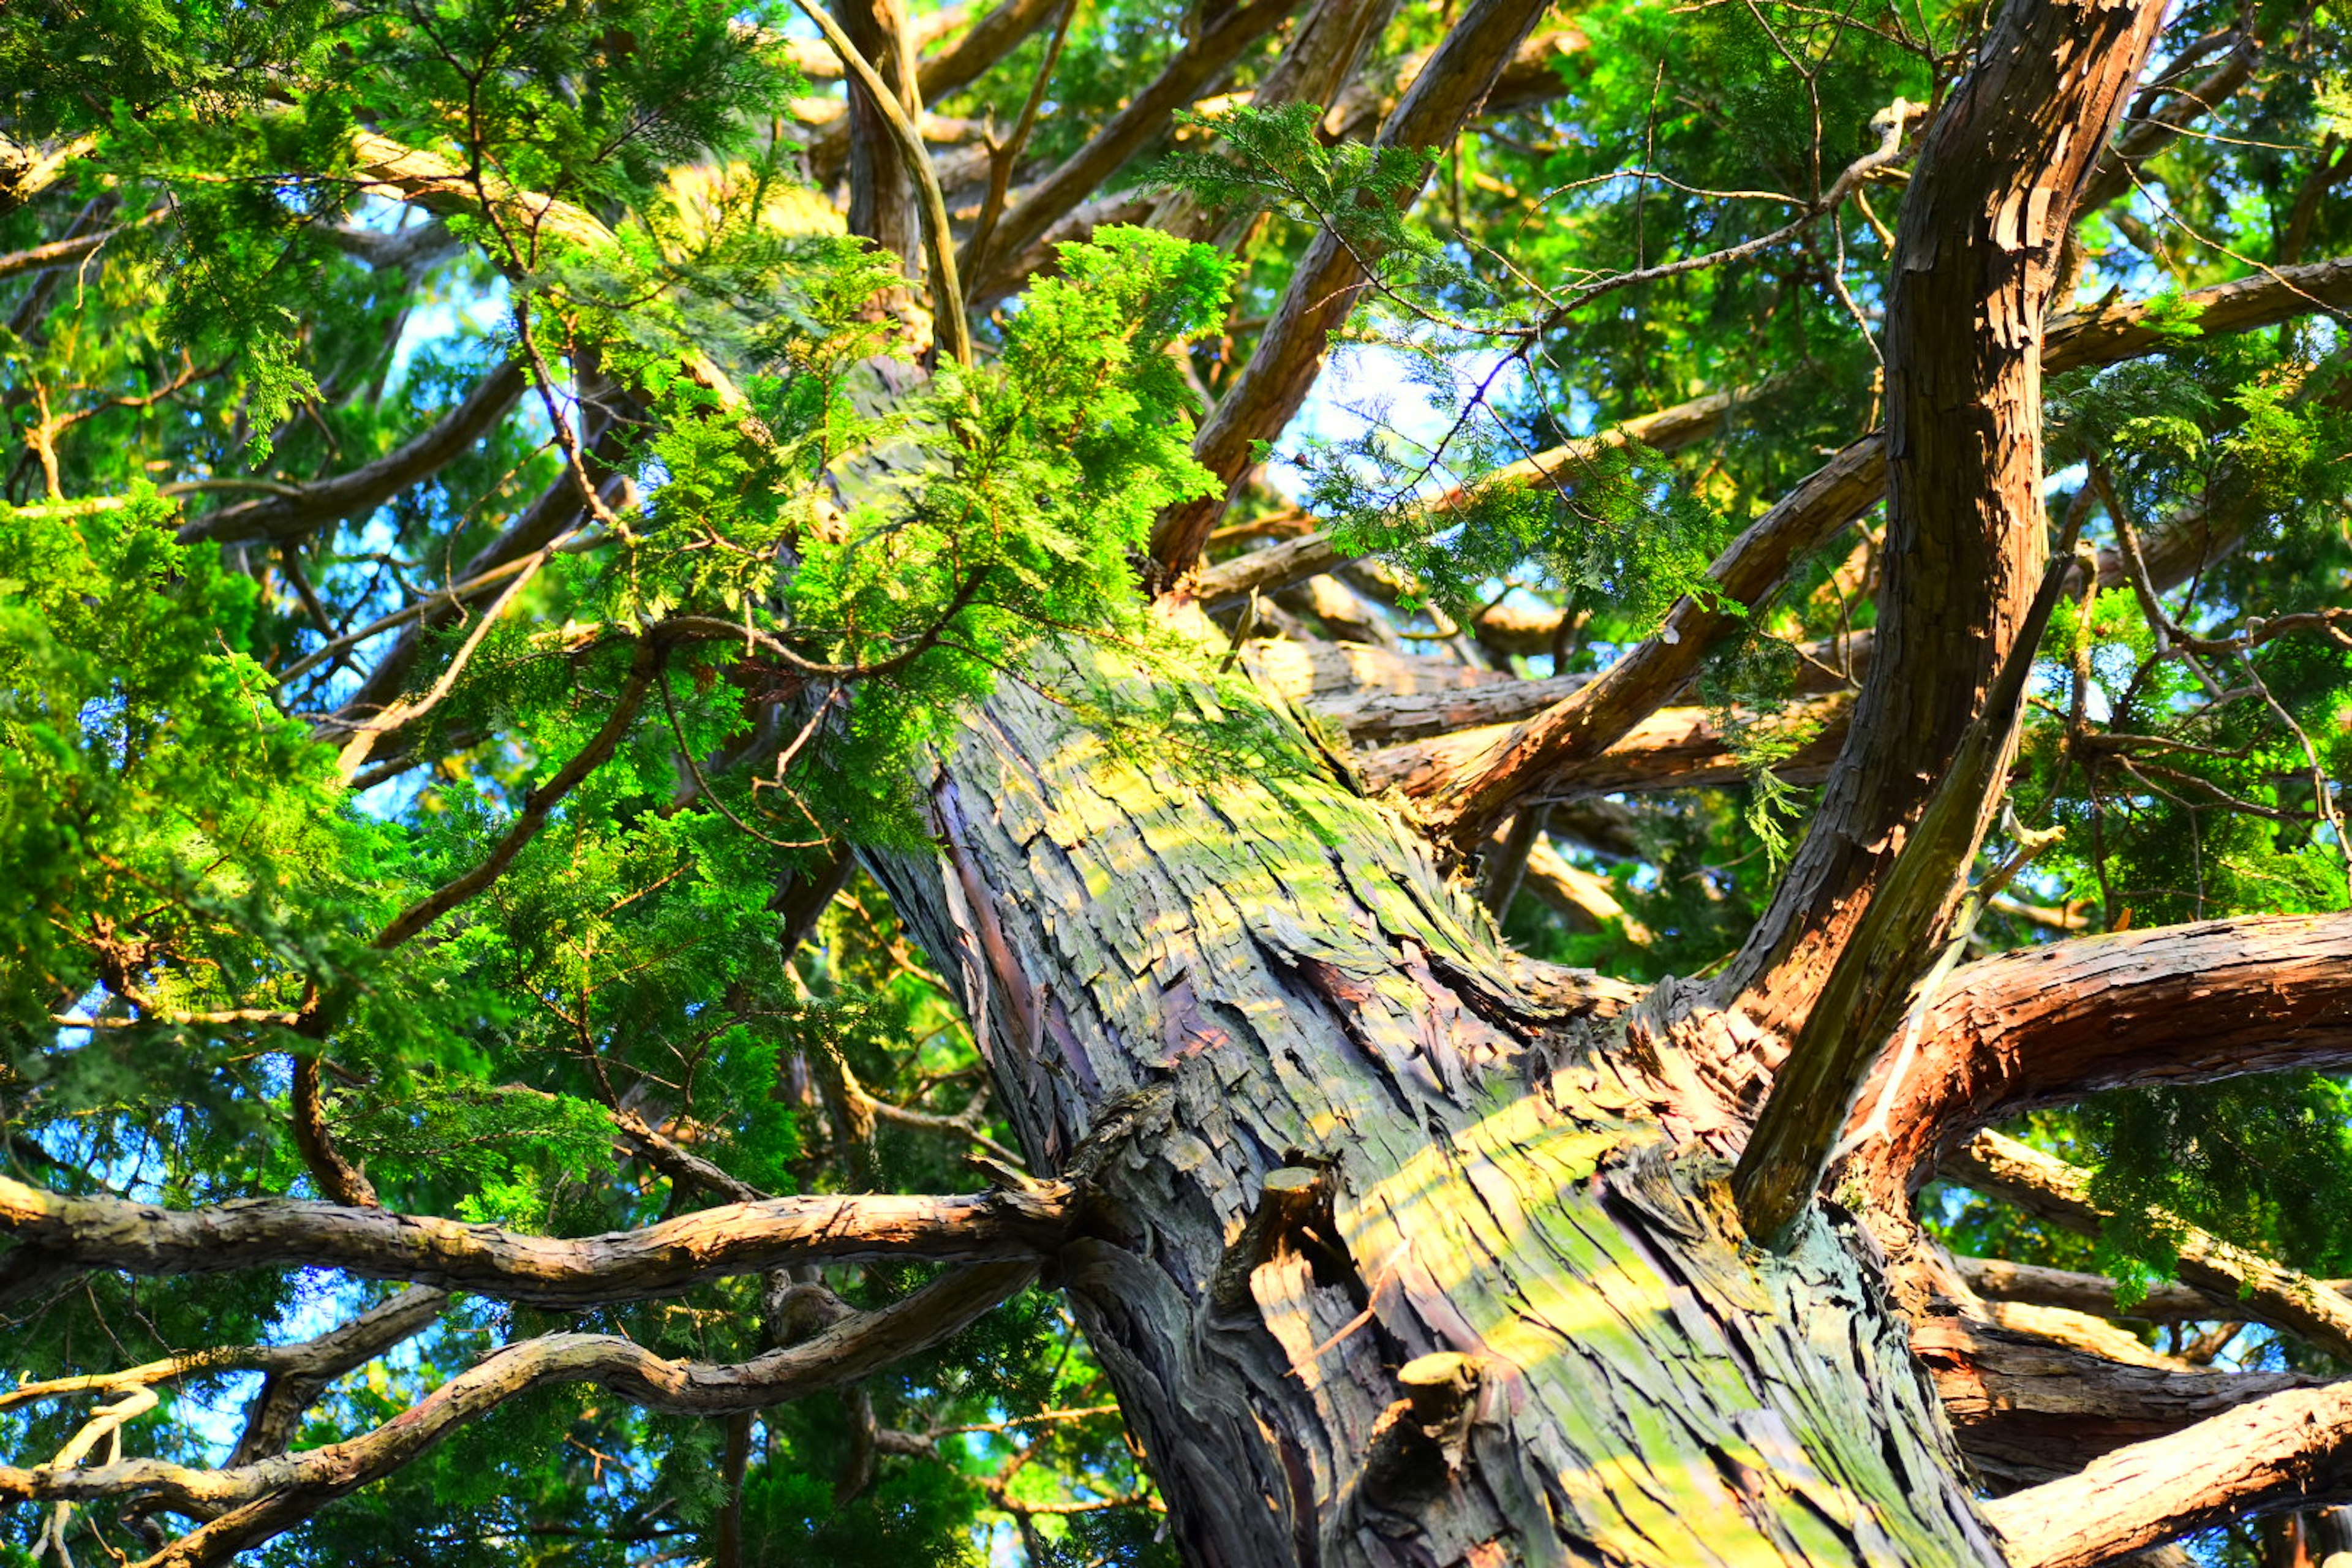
(1987, 212)
(1342, 1139)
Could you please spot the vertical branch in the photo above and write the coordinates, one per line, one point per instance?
(1975, 264)
(954, 333)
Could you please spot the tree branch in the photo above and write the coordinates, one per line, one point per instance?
(1976, 258)
(310, 507)
(2049, 1024)
(2027, 1410)
(248, 1504)
(1201, 61)
(1894, 944)
(1222, 587)
(2240, 1283)
(2292, 1450)
(635, 1265)
(1324, 285)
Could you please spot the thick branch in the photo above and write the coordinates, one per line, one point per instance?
(1975, 254)
(634, 1265)
(2048, 1024)
(2027, 1410)
(1893, 944)
(1997, 1279)
(2292, 1450)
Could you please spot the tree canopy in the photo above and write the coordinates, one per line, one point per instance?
(505, 502)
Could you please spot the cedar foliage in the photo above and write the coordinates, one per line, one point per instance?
(833, 572)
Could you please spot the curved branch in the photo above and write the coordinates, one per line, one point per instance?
(2031, 1284)
(1976, 260)
(632, 1265)
(2048, 1024)
(248, 1504)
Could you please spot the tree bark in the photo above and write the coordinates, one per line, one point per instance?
(1341, 1134)
(1988, 209)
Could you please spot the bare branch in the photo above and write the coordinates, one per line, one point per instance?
(1996, 1279)
(2028, 1409)
(2292, 1450)
(248, 1504)
(657, 1260)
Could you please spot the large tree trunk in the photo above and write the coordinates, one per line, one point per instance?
(1338, 1128)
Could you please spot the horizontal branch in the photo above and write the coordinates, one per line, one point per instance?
(2049, 1024)
(2292, 1450)
(2240, 1284)
(1997, 1279)
(306, 508)
(248, 1504)
(1224, 586)
(1673, 748)
(657, 1260)
(2027, 1410)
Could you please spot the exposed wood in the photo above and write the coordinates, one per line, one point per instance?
(2292, 1450)
(2029, 1410)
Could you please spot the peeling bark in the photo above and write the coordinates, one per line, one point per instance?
(657, 1260)
(1267, 982)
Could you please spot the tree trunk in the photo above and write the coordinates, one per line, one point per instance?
(1339, 1130)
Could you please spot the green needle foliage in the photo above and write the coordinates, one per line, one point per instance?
(524, 821)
